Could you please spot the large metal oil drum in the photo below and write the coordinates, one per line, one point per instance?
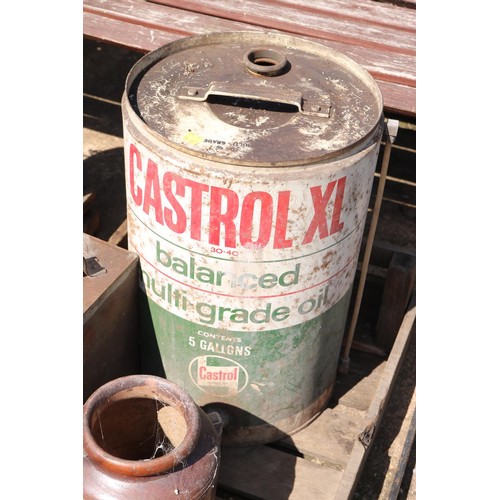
(249, 165)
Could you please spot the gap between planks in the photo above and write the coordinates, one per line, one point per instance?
(378, 405)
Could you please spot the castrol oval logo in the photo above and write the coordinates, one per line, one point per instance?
(218, 375)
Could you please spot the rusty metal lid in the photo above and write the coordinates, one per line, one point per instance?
(261, 99)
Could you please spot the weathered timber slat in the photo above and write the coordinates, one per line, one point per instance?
(361, 395)
(143, 28)
(329, 439)
(360, 10)
(129, 35)
(162, 17)
(399, 99)
(374, 414)
(177, 23)
(88, 199)
(303, 22)
(326, 457)
(407, 437)
(118, 237)
(411, 4)
(398, 288)
(395, 190)
(266, 473)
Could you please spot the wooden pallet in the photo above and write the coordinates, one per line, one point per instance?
(325, 460)
(379, 36)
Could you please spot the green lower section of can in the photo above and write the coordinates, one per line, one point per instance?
(259, 377)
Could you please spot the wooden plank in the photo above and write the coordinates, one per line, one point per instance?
(329, 439)
(360, 367)
(398, 189)
(374, 414)
(398, 288)
(411, 4)
(88, 199)
(161, 18)
(404, 443)
(303, 22)
(412, 491)
(147, 21)
(366, 11)
(361, 395)
(119, 235)
(124, 34)
(398, 98)
(266, 473)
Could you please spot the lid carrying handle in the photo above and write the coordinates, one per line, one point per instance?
(318, 106)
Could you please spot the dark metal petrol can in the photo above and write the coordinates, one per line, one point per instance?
(249, 164)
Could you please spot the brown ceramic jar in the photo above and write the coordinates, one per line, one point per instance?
(144, 437)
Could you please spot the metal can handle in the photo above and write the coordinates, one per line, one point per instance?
(317, 107)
